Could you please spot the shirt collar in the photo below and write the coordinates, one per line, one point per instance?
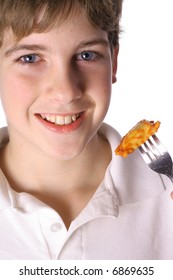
(103, 204)
(22, 202)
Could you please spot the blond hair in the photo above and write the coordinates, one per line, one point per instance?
(21, 16)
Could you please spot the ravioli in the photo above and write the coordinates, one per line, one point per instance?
(136, 137)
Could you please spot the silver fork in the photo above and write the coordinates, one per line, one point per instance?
(157, 157)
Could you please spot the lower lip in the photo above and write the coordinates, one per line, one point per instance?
(61, 128)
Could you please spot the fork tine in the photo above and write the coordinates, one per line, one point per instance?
(149, 150)
(162, 149)
(157, 157)
(145, 155)
(154, 147)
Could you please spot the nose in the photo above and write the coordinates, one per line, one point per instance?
(64, 85)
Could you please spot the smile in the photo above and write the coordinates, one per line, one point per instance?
(59, 119)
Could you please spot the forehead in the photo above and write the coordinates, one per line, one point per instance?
(73, 29)
(44, 22)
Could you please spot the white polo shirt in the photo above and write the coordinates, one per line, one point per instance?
(129, 217)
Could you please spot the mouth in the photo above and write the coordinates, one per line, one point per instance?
(60, 120)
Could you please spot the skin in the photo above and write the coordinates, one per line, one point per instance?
(57, 81)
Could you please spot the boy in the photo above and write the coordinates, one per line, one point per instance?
(64, 194)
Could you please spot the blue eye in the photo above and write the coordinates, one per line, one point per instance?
(87, 56)
(30, 58)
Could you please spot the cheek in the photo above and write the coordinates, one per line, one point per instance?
(16, 97)
(101, 95)
(15, 90)
(100, 81)
(102, 89)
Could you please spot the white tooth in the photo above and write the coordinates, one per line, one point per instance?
(68, 119)
(52, 118)
(48, 118)
(59, 120)
(74, 117)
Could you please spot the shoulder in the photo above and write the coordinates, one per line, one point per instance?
(111, 134)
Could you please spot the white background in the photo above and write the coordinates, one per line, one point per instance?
(144, 80)
(144, 87)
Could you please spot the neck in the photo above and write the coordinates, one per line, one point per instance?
(45, 173)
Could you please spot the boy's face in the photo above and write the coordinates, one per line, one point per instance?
(55, 87)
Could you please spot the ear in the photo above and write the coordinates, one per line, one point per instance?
(114, 64)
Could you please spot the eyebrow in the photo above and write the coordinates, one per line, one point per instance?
(103, 42)
(26, 47)
(35, 47)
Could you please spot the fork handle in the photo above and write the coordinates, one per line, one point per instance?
(171, 176)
